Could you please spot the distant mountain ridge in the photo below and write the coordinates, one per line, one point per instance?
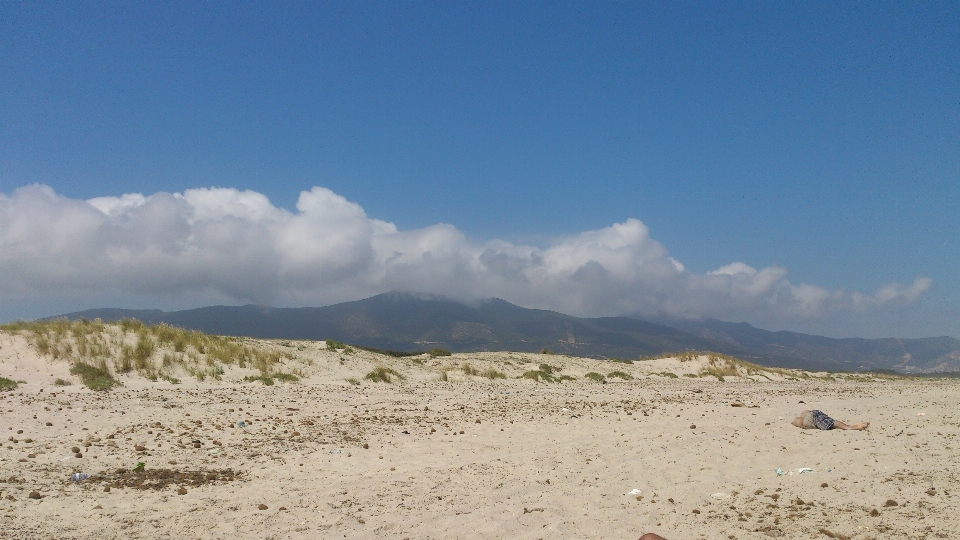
(924, 355)
(403, 321)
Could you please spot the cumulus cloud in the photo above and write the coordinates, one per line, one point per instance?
(236, 246)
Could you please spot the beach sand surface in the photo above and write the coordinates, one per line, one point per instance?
(666, 451)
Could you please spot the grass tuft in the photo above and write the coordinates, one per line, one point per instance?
(267, 381)
(596, 377)
(7, 385)
(539, 375)
(383, 374)
(619, 375)
(95, 378)
(437, 351)
(494, 374)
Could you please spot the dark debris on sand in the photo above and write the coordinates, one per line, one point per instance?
(161, 478)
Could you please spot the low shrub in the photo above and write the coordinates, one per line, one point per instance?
(7, 385)
(594, 376)
(437, 351)
(383, 374)
(61, 382)
(538, 375)
(619, 375)
(267, 381)
(95, 378)
(494, 374)
(469, 370)
(335, 345)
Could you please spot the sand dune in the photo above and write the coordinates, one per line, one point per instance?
(665, 447)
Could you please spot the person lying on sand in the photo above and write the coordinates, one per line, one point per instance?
(819, 420)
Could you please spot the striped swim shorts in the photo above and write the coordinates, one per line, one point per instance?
(817, 420)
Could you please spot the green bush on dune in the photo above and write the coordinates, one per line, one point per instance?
(596, 377)
(383, 374)
(95, 378)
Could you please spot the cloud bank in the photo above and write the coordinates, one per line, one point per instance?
(236, 246)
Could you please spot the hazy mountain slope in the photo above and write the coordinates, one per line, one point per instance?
(907, 355)
(406, 322)
(402, 321)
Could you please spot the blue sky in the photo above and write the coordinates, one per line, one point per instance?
(817, 138)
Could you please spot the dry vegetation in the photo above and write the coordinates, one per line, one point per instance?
(98, 351)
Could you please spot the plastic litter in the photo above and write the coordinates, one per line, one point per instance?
(635, 491)
(335, 451)
(802, 470)
(720, 496)
(779, 471)
(241, 424)
(921, 414)
(78, 477)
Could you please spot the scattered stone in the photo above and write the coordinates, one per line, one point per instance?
(262, 507)
(182, 491)
(889, 503)
(75, 449)
(106, 489)
(35, 495)
(693, 426)
(874, 512)
(824, 485)
(140, 448)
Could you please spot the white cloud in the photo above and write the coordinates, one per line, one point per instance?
(236, 246)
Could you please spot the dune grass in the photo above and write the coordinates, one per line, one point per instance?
(154, 351)
(596, 377)
(721, 365)
(95, 378)
(7, 385)
(494, 374)
(383, 374)
(619, 375)
(539, 375)
(469, 369)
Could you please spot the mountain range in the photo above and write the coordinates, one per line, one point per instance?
(409, 322)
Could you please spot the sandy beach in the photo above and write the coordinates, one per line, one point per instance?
(659, 449)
